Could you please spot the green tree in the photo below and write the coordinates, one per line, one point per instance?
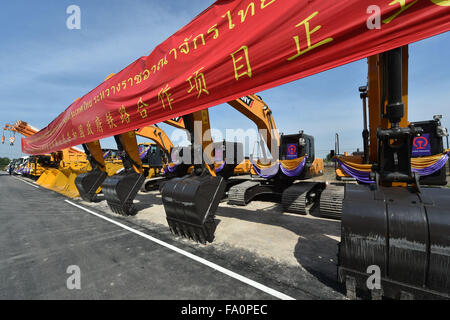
(4, 162)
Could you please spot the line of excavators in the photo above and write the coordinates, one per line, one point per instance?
(397, 215)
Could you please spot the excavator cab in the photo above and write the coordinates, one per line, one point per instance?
(151, 157)
(121, 189)
(294, 146)
(155, 156)
(89, 183)
(430, 143)
(395, 224)
(292, 159)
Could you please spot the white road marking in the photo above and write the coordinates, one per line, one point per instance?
(337, 238)
(26, 182)
(212, 265)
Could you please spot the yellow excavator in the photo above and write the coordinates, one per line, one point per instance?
(121, 189)
(190, 202)
(393, 222)
(297, 162)
(56, 171)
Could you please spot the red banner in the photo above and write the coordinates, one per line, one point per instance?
(235, 48)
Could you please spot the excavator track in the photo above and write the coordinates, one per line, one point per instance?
(243, 193)
(331, 201)
(238, 194)
(297, 197)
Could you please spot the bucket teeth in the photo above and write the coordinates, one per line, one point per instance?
(198, 234)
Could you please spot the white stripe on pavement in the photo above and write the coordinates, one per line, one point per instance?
(193, 257)
(26, 182)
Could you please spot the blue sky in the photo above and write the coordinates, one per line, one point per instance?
(45, 67)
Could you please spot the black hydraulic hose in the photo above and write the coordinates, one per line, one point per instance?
(395, 109)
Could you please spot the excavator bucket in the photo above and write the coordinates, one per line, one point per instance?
(69, 189)
(44, 177)
(88, 184)
(404, 233)
(121, 189)
(63, 180)
(190, 204)
(53, 179)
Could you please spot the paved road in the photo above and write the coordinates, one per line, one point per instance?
(41, 235)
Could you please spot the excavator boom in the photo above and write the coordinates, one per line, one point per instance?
(254, 108)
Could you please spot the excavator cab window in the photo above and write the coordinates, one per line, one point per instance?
(310, 151)
(155, 156)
